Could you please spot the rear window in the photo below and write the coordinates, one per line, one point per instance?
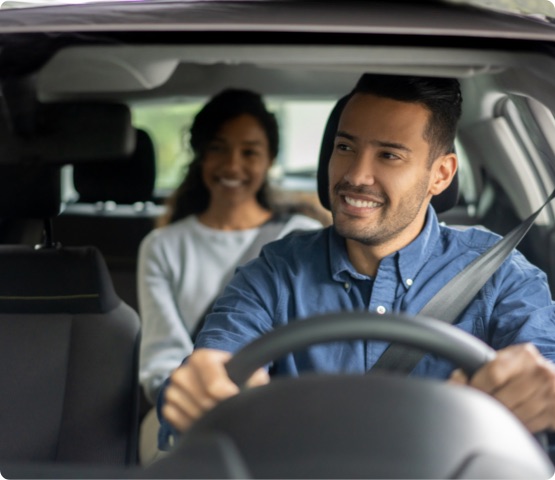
(301, 126)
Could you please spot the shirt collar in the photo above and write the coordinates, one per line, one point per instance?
(410, 259)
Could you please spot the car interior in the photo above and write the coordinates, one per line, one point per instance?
(85, 171)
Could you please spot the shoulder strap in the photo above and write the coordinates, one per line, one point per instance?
(268, 231)
(450, 301)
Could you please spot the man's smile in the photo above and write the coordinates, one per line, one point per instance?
(358, 203)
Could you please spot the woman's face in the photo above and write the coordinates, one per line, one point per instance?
(236, 161)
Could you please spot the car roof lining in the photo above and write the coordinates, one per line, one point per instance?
(132, 69)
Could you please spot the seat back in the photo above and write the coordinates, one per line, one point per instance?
(68, 345)
(114, 212)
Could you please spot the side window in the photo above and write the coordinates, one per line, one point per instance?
(529, 120)
(167, 125)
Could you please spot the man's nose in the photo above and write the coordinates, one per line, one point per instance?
(361, 170)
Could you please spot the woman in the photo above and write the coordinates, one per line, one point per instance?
(214, 216)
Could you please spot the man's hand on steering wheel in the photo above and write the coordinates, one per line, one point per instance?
(522, 380)
(200, 384)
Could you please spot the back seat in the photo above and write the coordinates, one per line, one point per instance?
(114, 211)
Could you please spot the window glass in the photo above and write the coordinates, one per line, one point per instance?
(529, 121)
(301, 126)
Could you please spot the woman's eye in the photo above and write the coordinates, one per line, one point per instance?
(214, 147)
(343, 147)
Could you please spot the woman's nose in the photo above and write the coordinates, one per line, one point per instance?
(233, 159)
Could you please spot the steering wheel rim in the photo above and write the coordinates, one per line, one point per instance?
(417, 331)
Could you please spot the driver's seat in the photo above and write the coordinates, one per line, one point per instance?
(68, 344)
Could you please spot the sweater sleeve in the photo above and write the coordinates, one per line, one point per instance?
(165, 340)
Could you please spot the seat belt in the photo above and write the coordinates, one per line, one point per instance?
(268, 231)
(450, 301)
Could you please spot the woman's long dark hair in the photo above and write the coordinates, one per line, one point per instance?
(192, 196)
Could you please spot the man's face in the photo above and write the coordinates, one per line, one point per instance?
(379, 171)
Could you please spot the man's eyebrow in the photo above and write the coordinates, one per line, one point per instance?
(396, 146)
(379, 143)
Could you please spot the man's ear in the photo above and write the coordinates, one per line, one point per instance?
(443, 171)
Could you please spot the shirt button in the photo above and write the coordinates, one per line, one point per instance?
(380, 309)
(346, 285)
(409, 281)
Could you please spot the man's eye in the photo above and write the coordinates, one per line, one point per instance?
(389, 156)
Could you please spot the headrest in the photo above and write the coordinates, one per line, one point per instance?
(55, 280)
(441, 203)
(29, 191)
(62, 133)
(125, 181)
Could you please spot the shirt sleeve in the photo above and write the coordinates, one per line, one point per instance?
(164, 338)
(246, 308)
(524, 310)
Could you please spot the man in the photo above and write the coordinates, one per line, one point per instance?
(385, 252)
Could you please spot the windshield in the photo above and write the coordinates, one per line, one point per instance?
(542, 9)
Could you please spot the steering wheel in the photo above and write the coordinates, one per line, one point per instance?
(359, 426)
(424, 333)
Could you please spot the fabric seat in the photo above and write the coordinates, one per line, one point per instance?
(68, 345)
(114, 212)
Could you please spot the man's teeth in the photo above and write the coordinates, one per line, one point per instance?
(231, 183)
(361, 203)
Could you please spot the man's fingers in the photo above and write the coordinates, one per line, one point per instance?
(524, 381)
(179, 419)
(509, 363)
(458, 377)
(196, 387)
(210, 377)
(258, 378)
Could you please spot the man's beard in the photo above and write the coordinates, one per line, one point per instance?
(389, 224)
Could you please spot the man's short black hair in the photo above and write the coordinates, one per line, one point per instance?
(441, 96)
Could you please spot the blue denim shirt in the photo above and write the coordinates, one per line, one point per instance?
(310, 273)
